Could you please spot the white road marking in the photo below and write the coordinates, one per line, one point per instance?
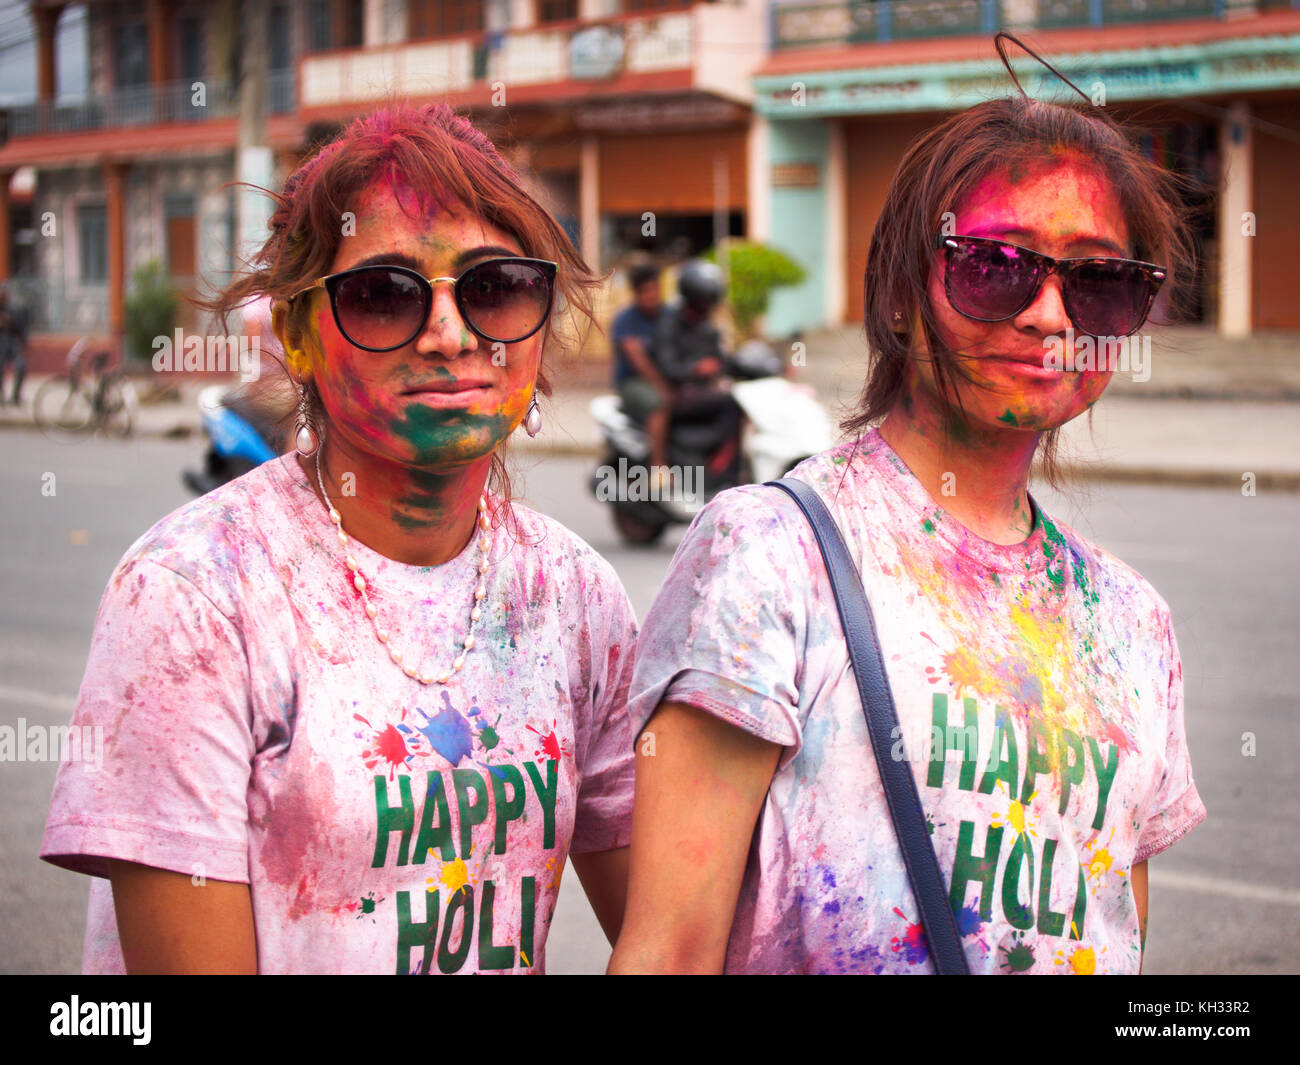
(1213, 885)
(43, 700)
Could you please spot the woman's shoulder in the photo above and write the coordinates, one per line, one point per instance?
(542, 541)
(218, 539)
(1096, 572)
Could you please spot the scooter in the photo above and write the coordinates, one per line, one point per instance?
(237, 441)
(758, 427)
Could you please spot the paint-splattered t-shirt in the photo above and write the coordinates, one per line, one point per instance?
(1039, 694)
(254, 730)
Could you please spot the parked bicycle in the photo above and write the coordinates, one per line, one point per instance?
(89, 397)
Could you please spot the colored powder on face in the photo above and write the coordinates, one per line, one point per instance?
(1009, 417)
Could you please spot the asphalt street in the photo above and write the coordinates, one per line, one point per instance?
(1222, 901)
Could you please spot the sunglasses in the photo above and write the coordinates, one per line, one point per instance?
(382, 308)
(991, 280)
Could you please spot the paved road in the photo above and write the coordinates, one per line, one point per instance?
(1223, 900)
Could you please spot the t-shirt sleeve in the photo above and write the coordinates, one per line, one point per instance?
(604, 814)
(725, 630)
(1177, 807)
(165, 702)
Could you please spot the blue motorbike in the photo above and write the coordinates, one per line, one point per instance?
(238, 440)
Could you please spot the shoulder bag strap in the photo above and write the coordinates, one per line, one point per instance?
(882, 725)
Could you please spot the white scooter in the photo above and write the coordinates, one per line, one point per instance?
(758, 429)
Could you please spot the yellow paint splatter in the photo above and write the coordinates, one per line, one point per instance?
(963, 669)
(454, 875)
(1100, 862)
(1083, 961)
(1016, 816)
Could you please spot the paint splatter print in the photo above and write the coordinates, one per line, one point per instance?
(1039, 694)
(258, 733)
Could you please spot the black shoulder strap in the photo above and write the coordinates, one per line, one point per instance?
(882, 726)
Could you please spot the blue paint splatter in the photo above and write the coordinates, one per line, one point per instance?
(448, 733)
(968, 920)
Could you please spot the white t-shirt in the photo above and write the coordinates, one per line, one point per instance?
(256, 731)
(1043, 678)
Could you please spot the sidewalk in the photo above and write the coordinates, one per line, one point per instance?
(1210, 412)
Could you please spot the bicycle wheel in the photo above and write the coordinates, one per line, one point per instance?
(117, 407)
(63, 408)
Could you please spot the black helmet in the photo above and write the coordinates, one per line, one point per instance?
(700, 284)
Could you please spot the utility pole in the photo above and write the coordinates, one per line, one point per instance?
(253, 154)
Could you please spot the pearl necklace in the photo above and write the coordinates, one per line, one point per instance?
(381, 634)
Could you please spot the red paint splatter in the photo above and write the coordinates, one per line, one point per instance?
(387, 747)
(1117, 736)
(912, 943)
(552, 747)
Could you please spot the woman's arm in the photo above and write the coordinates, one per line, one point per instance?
(1140, 897)
(169, 924)
(603, 875)
(700, 784)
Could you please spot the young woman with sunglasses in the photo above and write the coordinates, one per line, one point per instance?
(1036, 678)
(359, 709)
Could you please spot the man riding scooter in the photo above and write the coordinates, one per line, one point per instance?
(687, 349)
(643, 391)
(706, 398)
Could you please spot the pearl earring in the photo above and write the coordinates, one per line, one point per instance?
(533, 419)
(305, 440)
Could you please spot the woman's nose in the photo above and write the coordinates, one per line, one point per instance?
(445, 332)
(1046, 313)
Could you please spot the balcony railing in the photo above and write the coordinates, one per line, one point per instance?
(809, 23)
(196, 100)
(536, 55)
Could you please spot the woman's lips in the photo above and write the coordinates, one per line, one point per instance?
(449, 393)
(1037, 368)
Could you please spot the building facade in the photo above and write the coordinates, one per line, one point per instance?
(631, 116)
(646, 125)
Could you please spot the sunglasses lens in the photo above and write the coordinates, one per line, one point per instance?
(988, 280)
(380, 308)
(1108, 299)
(505, 300)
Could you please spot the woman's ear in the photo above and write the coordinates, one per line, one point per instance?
(290, 339)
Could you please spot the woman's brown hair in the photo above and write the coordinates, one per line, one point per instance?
(938, 169)
(444, 159)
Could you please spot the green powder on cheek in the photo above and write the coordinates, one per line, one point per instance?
(1008, 417)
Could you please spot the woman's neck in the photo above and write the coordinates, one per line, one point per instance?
(979, 476)
(415, 517)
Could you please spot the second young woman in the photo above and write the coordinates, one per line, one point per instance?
(1036, 677)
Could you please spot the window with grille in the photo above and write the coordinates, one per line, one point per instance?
(557, 10)
(92, 243)
(443, 18)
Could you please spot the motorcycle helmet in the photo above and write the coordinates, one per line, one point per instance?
(700, 285)
(755, 359)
